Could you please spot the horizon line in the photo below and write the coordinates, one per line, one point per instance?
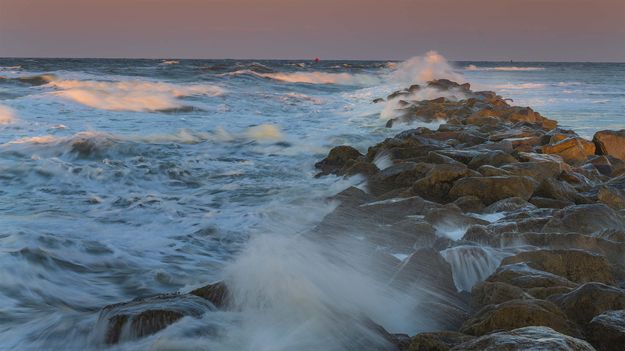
(286, 59)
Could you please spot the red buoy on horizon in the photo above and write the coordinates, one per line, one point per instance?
(317, 59)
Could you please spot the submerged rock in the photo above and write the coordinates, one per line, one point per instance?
(146, 316)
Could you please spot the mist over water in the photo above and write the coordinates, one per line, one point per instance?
(128, 178)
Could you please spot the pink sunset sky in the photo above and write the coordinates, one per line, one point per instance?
(541, 30)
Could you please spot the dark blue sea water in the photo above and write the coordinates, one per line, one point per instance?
(125, 178)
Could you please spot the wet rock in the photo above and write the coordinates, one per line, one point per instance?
(217, 293)
(146, 316)
(606, 332)
(585, 219)
(573, 150)
(451, 218)
(493, 293)
(492, 189)
(435, 185)
(494, 158)
(437, 341)
(522, 339)
(490, 171)
(399, 175)
(575, 265)
(508, 205)
(612, 196)
(525, 277)
(538, 170)
(610, 142)
(559, 190)
(338, 158)
(590, 300)
(515, 314)
(469, 203)
(543, 202)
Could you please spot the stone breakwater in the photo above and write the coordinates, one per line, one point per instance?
(510, 230)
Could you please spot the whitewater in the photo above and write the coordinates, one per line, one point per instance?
(129, 178)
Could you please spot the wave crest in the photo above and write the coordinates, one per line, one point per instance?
(130, 95)
(503, 68)
(7, 115)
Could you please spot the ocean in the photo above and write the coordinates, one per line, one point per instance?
(124, 178)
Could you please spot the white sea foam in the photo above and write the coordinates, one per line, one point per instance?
(421, 69)
(511, 86)
(7, 115)
(315, 77)
(264, 132)
(503, 68)
(130, 95)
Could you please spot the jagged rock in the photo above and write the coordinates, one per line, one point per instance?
(338, 158)
(585, 219)
(523, 339)
(573, 150)
(217, 293)
(493, 293)
(589, 300)
(515, 314)
(492, 189)
(437, 182)
(610, 142)
(146, 316)
(575, 265)
(612, 197)
(437, 341)
(399, 175)
(558, 190)
(606, 332)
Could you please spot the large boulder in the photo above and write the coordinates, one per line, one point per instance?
(524, 339)
(338, 160)
(400, 175)
(493, 158)
(537, 170)
(574, 150)
(493, 293)
(438, 181)
(491, 189)
(525, 277)
(585, 219)
(515, 314)
(610, 142)
(607, 331)
(575, 265)
(589, 300)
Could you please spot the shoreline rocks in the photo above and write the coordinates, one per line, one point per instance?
(544, 207)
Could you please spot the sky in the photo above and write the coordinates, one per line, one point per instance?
(520, 30)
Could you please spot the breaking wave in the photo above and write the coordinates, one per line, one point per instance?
(314, 77)
(520, 86)
(131, 95)
(503, 68)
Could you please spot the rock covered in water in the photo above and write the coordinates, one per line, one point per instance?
(528, 338)
(146, 316)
